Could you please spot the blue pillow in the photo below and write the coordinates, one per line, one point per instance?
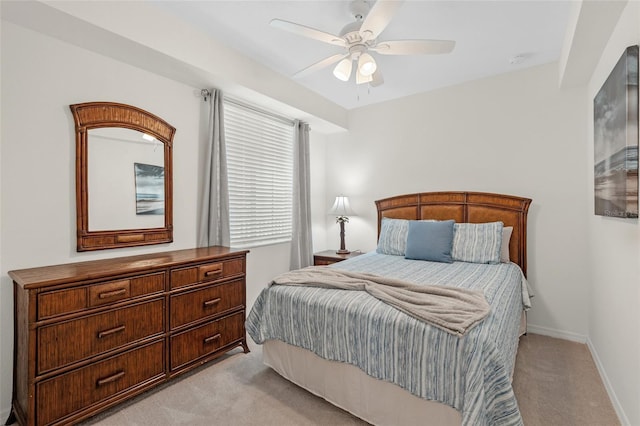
(430, 241)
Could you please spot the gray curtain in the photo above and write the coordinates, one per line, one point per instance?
(214, 213)
(301, 243)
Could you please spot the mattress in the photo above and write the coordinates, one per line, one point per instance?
(470, 374)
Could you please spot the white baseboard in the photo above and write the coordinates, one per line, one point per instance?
(551, 332)
(607, 385)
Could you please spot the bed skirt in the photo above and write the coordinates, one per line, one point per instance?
(346, 386)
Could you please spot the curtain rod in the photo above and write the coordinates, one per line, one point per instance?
(206, 93)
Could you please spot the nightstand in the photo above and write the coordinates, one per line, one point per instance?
(328, 257)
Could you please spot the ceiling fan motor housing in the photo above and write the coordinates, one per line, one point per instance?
(351, 32)
(356, 50)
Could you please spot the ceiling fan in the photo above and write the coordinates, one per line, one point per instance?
(359, 38)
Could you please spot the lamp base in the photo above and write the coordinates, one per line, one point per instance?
(343, 247)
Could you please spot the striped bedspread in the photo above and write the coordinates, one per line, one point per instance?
(469, 373)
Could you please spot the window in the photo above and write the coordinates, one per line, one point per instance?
(260, 169)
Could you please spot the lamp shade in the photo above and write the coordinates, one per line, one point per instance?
(366, 65)
(362, 79)
(341, 207)
(342, 71)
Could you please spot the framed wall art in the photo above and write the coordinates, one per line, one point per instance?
(616, 140)
(149, 189)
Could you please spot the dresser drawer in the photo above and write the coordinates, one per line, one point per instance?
(194, 305)
(206, 339)
(102, 294)
(70, 341)
(71, 392)
(207, 272)
(66, 301)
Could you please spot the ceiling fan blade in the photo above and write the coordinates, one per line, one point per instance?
(308, 32)
(320, 64)
(378, 18)
(414, 47)
(377, 79)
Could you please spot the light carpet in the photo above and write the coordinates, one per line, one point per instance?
(555, 381)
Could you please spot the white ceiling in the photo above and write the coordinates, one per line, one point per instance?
(488, 35)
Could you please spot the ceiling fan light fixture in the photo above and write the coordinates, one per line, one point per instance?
(366, 65)
(363, 79)
(342, 71)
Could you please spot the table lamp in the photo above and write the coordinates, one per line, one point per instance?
(342, 210)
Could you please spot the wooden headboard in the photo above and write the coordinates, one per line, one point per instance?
(473, 207)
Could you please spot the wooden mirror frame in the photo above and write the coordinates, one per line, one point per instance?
(94, 115)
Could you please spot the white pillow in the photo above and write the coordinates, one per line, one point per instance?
(393, 236)
(477, 242)
(504, 250)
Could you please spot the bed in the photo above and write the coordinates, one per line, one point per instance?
(390, 368)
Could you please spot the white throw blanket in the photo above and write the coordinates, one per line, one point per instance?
(455, 310)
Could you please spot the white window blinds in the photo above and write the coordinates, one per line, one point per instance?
(260, 169)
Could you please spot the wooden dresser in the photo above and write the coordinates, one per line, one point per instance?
(90, 335)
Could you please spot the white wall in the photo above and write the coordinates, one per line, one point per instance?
(516, 134)
(614, 259)
(41, 77)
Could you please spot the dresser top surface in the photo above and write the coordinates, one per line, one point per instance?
(97, 269)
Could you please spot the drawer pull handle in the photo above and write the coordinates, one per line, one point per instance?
(110, 379)
(212, 338)
(212, 273)
(211, 302)
(114, 293)
(111, 331)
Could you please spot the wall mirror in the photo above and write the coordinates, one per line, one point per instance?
(123, 176)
